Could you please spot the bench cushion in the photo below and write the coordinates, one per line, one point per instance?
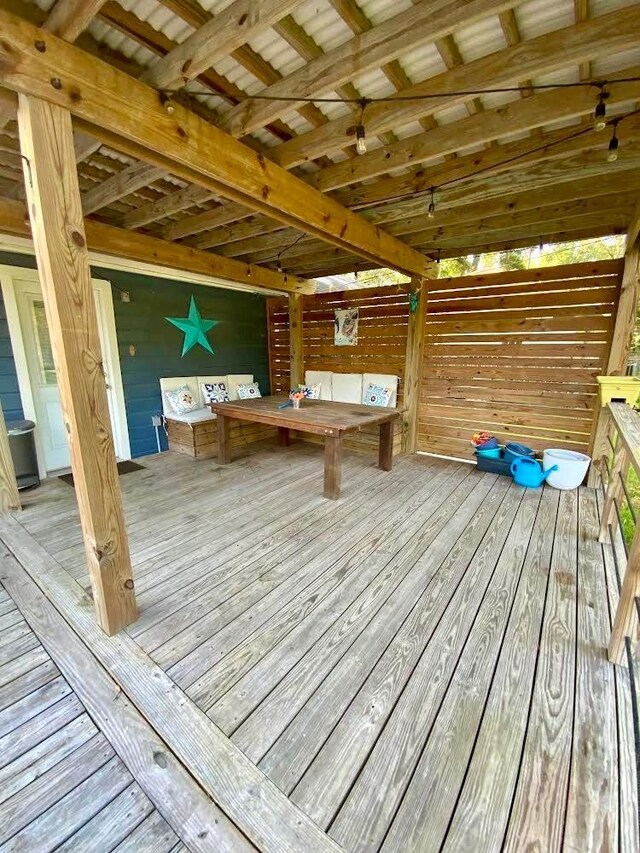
(197, 416)
(347, 387)
(321, 378)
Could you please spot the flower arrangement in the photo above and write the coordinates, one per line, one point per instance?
(295, 397)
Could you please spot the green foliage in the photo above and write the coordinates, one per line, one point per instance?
(602, 248)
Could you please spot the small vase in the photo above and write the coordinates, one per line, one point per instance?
(295, 404)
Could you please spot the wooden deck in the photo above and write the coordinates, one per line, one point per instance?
(417, 667)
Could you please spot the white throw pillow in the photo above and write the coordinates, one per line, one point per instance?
(249, 391)
(182, 400)
(377, 395)
(215, 392)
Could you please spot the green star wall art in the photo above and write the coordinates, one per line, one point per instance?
(195, 328)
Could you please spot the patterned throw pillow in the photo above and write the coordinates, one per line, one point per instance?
(311, 392)
(215, 392)
(182, 400)
(377, 395)
(247, 392)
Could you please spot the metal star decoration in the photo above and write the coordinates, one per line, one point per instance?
(195, 328)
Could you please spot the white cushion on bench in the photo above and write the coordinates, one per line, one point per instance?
(235, 379)
(347, 387)
(194, 417)
(387, 380)
(323, 379)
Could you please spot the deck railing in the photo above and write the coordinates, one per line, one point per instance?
(620, 470)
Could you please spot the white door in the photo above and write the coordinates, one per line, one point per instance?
(39, 388)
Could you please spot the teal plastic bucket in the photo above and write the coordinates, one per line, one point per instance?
(489, 453)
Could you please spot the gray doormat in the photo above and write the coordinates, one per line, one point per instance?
(123, 468)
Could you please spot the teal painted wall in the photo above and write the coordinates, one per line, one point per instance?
(239, 341)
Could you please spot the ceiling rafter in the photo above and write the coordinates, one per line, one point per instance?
(602, 36)
(231, 28)
(421, 24)
(194, 15)
(513, 117)
(135, 122)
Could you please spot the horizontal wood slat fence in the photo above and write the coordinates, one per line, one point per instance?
(517, 354)
(514, 353)
(383, 314)
(382, 334)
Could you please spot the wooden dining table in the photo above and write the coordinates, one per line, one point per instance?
(319, 417)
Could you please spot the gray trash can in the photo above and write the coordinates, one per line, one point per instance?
(22, 445)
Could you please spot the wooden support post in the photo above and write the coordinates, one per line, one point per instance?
(296, 341)
(414, 360)
(55, 210)
(624, 326)
(9, 495)
(626, 619)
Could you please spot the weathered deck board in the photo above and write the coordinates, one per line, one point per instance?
(412, 666)
(592, 811)
(539, 808)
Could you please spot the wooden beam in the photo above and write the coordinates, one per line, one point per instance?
(237, 24)
(296, 340)
(411, 28)
(414, 361)
(46, 141)
(134, 120)
(600, 36)
(119, 243)
(514, 117)
(69, 18)
(122, 184)
(221, 215)
(633, 234)
(84, 146)
(175, 202)
(9, 495)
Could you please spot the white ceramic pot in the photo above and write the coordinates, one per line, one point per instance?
(572, 468)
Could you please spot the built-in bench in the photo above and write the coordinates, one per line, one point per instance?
(352, 388)
(195, 433)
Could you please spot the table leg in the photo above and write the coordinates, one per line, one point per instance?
(224, 444)
(284, 437)
(332, 466)
(385, 447)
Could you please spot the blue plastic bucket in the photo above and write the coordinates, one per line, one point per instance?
(489, 452)
(513, 451)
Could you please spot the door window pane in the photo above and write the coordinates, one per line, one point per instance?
(43, 344)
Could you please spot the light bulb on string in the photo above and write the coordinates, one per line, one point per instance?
(361, 134)
(614, 144)
(600, 113)
(431, 211)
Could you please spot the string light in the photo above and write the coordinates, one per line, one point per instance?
(612, 154)
(600, 114)
(431, 212)
(167, 103)
(361, 142)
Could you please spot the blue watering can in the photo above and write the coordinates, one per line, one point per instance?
(528, 472)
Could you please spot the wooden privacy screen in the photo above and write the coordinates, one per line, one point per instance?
(382, 334)
(517, 354)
